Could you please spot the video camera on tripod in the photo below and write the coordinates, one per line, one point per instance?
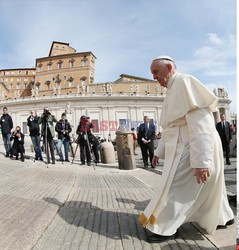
(85, 139)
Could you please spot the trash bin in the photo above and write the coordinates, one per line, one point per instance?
(125, 150)
(107, 152)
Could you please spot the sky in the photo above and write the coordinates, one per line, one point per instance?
(126, 35)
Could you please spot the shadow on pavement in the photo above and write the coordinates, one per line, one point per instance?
(116, 224)
(138, 205)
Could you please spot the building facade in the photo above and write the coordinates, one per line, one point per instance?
(64, 81)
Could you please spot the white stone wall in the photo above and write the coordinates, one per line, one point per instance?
(106, 109)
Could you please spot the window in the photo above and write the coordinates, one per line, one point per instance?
(18, 79)
(26, 72)
(38, 86)
(49, 67)
(25, 85)
(19, 72)
(10, 86)
(82, 82)
(95, 123)
(25, 79)
(24, 128)
(71, 64)
(83, 63)
(122, 122)
(39, 68)
(70, 81)
(60, 64)
(18, 86)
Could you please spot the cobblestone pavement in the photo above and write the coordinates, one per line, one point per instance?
(79, 207)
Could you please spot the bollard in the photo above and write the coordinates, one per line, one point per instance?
(107, 152)
(125, 150)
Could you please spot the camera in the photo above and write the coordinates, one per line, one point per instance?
(46, 112)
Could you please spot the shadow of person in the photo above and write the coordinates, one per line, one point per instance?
(138, 205)
(116, 224)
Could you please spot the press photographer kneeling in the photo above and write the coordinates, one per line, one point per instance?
(18, 144)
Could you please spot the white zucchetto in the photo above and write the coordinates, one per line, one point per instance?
(163, 57)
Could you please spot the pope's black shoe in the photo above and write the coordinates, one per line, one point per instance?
(230, 222)
(156, 238)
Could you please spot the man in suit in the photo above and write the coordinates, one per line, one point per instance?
(146, 136)
(225, 133)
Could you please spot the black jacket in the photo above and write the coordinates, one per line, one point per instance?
(59, 127)
(6, 124)
(32, 123)
(18, 145)
(225, 135)
(150, 135)
(82, 130)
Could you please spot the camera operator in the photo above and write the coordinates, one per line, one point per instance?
(34, 128)
(18, 144)
(84, 139)
(63, 128)
(48, 133)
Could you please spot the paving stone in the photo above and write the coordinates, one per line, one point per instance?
(83, 208)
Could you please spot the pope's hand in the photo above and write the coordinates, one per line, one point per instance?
(202, 174)
(155, 160)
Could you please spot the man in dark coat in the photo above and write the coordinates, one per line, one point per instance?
(48, 132)
(34, 128)
(225, 133)
(18, 144)
(87, 141)
(6, 125)
(63, 128)
(146, 136)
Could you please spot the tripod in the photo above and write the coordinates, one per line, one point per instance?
(46, 143)
(92, 156)
(74, 153)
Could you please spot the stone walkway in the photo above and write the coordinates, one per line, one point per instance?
(79, 207)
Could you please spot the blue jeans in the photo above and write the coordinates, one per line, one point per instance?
(66, 144)
(36, 144)
(7, 142)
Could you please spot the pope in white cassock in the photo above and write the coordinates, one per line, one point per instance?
(192, 186)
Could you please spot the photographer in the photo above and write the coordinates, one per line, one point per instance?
(84, 138)
(18, 144)
(63, 128)
(34, 128)
(48, 133)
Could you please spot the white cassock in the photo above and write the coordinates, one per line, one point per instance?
(189, 141)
